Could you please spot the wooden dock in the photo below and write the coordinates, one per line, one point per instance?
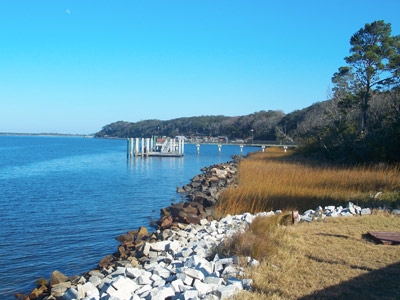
(157, 147)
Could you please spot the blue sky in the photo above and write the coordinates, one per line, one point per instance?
(75, 66)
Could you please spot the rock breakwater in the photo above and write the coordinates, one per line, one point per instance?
(202, 194)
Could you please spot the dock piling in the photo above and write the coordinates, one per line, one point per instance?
(241, 150)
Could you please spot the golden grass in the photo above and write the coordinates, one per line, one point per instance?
(261, 240)
(330, 260)
(279, 180)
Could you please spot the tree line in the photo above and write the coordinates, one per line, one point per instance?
(359, 123)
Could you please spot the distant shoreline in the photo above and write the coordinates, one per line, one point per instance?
(46, 134)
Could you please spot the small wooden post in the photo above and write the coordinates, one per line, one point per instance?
(241, 150)
(219, 149)
(127, 147)
(198, 148)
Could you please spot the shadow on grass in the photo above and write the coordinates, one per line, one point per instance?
(378, 284)
(332, 262)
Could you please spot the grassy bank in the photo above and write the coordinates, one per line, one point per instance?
(279, 180)
(329, 259)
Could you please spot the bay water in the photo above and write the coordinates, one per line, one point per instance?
(63, 200)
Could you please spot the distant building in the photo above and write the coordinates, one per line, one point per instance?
(223, 139)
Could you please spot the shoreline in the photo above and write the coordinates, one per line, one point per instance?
(218, 182)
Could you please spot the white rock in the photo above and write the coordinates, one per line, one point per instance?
(187, 280)
(196, 274)
(90, 289)
(125, 284)
(159, 246)
(162, 272)
(95, 280)
(203, 221)
(254, 263)
(365, 211)
(214, 280)
(118, 272)
(346, 214)
(247, 283)
(143, 280)
(143, 289)
(177, 285)
(224, 292)
(174, 246)
(237, 283)
(155, 277)
(133, 272)
(159, 283)
(202, 288)
(163, 293)
(190, 294)
(308, 212)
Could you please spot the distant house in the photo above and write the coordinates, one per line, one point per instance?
(223, 139)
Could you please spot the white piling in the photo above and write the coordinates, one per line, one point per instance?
(285, 148)
(263, 148)
(183, 146)
(219, 149)
(198, 148)
(136, 146)
(147, 146)
(241, 150)
(131, 146)
(142, 147)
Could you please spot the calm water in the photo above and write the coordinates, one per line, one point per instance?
(64, 200)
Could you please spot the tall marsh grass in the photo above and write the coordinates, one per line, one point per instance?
(278, 180)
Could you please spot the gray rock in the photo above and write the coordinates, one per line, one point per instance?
(190, 294)
(133, 272)
(126, 284)
(396, 211)
(187, 280)
(177, 285)
(95, 280)
(224, 292)
(143, 289)
(193, 273)
(90, 290)
(58, 291)
(71, 294)
(365, 211)
(162, 293)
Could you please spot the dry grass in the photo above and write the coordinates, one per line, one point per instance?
(330, 260)
(261, 240)
(278, 180)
